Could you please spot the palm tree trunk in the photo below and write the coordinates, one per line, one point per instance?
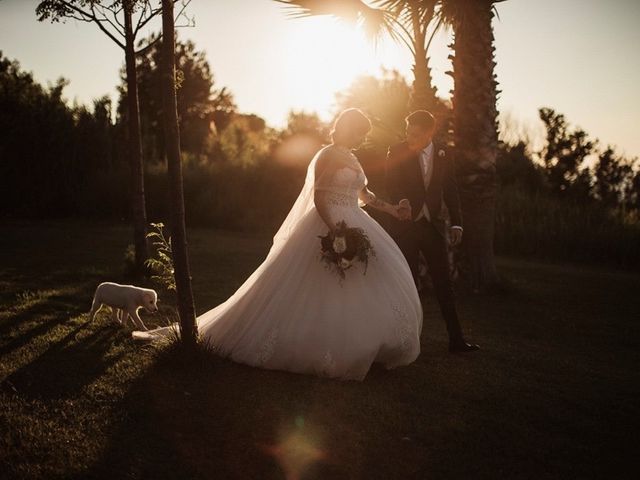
(138, 208)
(186, 307)
(476, 138)
(423, 93)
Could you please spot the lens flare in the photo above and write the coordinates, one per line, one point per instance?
(296, 450)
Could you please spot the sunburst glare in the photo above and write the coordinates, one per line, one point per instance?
(324, 56)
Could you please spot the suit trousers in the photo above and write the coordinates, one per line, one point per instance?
(422, 236)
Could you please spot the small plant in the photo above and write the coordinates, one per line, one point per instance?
(161, 265)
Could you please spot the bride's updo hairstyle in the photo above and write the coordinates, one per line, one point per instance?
(350, 122)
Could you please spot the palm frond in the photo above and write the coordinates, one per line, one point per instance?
(427, 9)
(375, 21)
(348, 10)
(393, 6)
(398, 9)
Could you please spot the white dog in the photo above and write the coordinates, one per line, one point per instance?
(125, 299)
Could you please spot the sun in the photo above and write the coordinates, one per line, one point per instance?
(323, 57)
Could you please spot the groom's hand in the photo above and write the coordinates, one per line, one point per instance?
(404, 209)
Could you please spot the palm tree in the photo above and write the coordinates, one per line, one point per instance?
(474, 99)
(475, 128)
(184, 292)
(412, 23)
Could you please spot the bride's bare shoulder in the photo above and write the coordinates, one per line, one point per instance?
(335, 157)
(328, 158)
(328, 153)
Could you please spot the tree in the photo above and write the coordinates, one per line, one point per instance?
(37, 144)
(54, 156)
(475, 129)
(94, 131)
(386, 102)
(576, 169)
(115, 18)
(565, 156)
(607, 176)
(301, 139)
(186, 308)
(516, 168)
(633, 191)
(244, 141)
(303, 123)
(474, 100)
(200, 106)
(412, 23)
(613, 177)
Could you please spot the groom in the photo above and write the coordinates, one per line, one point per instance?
(420, 177)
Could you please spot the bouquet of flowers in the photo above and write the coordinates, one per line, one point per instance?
(343, 247)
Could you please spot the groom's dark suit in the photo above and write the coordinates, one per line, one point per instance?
(405, 179)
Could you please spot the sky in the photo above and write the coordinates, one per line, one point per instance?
(579, 57)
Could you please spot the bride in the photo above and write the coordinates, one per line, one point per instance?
(293, 313)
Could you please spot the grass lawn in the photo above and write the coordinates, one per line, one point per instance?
(554, 392)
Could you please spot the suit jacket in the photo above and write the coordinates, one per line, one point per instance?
(404, 180)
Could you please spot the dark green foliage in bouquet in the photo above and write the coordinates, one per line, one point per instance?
(344, 246)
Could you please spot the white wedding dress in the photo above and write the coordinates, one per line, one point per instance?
(295, 314)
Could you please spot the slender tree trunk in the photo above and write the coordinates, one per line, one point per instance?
(138, 208)
(186, 307)
(476, 137)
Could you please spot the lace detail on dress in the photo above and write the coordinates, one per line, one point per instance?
(266, 351)
(403, 328)
(341, 200)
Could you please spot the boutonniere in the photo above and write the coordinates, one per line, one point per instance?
(441, 153)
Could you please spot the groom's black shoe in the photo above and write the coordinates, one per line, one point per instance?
(462, 346)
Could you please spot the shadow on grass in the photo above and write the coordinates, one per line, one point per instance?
(50, 349)
(204, 417)
(37, 312)
(67, 366)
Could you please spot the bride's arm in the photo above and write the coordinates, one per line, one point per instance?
(324, 169)
(370, 199)
(320, 201)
